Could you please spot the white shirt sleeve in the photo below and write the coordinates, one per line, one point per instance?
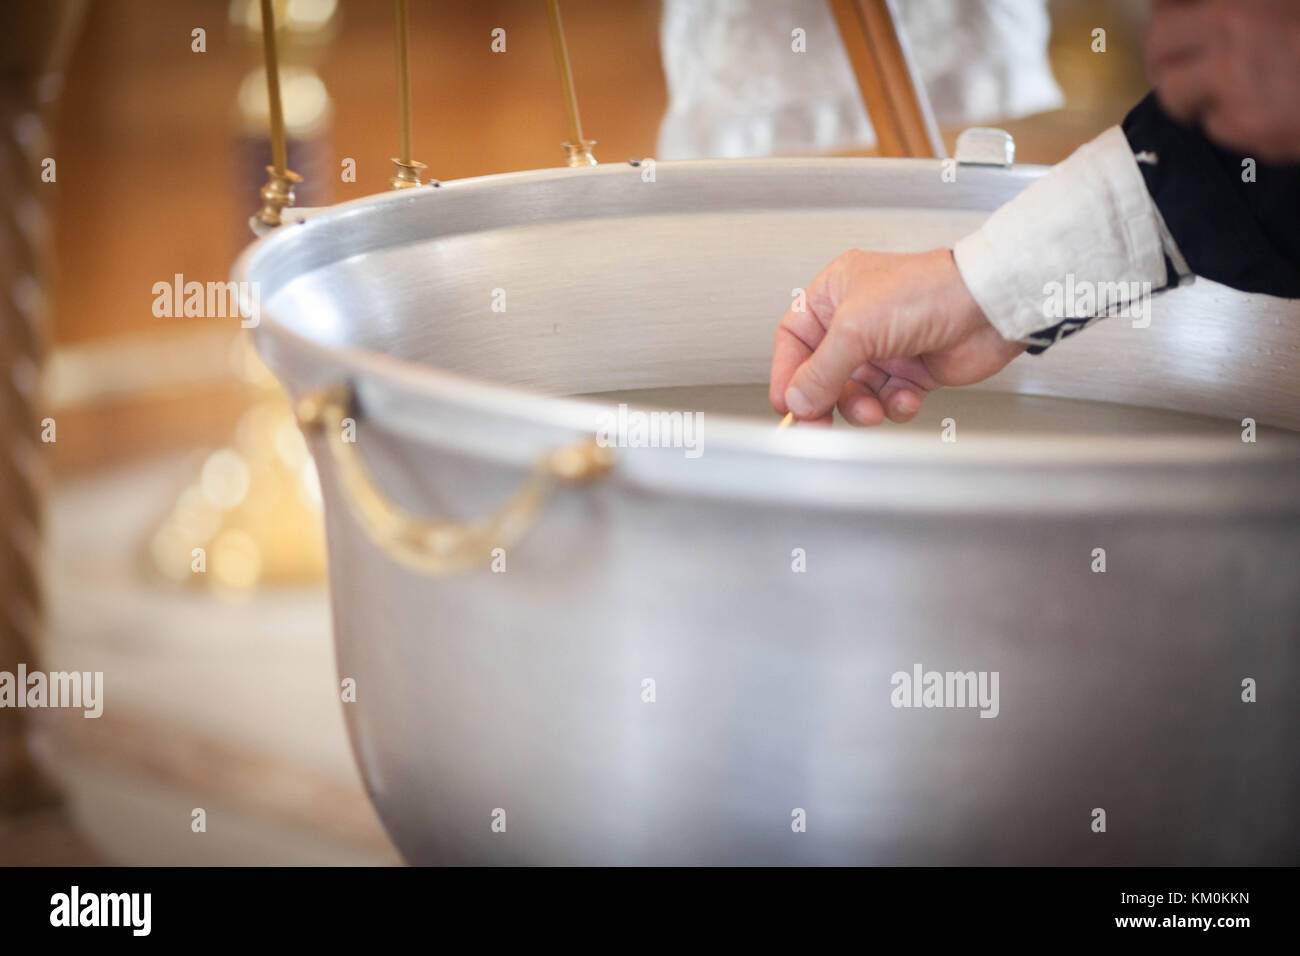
(1089, 220)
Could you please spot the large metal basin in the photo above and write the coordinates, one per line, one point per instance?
(479, 692)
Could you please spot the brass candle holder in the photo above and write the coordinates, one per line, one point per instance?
(277, 194)
(408, 173)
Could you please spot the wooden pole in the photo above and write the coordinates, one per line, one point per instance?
(891, 89)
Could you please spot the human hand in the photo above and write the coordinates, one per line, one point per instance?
(881, 330)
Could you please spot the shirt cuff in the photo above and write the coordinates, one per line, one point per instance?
(1088, 224)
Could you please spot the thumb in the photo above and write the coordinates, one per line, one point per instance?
(815, 386)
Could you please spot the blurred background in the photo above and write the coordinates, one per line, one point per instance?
(220, 690)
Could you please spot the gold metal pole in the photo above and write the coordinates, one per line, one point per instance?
(579, 149)
(279, 158)
(408, 170)
(277, 194)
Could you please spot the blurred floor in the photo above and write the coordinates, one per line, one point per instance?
(229, 706)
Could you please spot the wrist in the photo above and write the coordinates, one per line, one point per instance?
(958, 302)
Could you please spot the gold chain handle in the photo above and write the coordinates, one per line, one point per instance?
(440, 547)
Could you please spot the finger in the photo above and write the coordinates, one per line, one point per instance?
(815, 386)
(825, 421)
(789, 351)
(899, 385)
(870, 375)
(798, 334)
(859, 405)
(901, 399)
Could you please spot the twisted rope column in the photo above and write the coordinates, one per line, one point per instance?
(36, 36)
